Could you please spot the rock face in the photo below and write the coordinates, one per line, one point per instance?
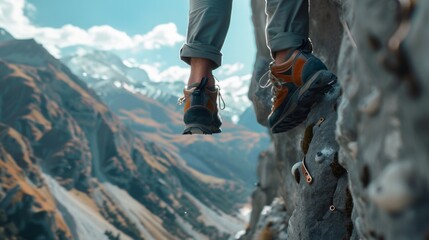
(382, 117)
(365, 144)
(27, 208)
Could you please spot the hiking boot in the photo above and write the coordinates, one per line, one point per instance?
(201, 114)
(297, 83)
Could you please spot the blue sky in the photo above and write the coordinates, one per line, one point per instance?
(148, 33)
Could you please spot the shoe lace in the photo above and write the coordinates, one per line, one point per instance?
(182, 99)
(272, 81)
(221, 102)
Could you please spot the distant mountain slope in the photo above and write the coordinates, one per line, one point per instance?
(248, 120)
(27, 208)
(151, 110)
(93, 163)
(230, 155)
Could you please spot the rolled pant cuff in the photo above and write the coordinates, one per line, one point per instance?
(286, 40)
(195, 50)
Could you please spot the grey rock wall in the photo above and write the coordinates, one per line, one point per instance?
(369, 154)
(383, 116)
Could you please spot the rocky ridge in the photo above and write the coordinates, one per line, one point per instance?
(364, 144)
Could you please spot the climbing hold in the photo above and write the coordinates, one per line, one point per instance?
(396, 60)
(319, 157)
(392, 144)
(295, 171)
(353, 147)
(323, 154)
(371, 104)
(360, 226)
(332, 208)
(392, 191)
(307, 175)
(321, 120)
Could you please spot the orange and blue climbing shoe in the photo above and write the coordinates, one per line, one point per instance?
(297, 84)
(201, 115)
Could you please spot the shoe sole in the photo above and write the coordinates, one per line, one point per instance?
(195, 128)
(200, 124)
(300, 103)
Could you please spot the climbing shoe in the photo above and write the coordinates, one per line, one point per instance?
(201, 114)
(297, 84)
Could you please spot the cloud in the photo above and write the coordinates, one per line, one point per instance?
(175, 73)
(29, 10)
(171, 74)
(105, 37)
(239, 83)
(12, 13)
(178, 73)
(229, 69)
(161, 35)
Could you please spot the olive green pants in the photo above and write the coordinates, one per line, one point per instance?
(287, 27)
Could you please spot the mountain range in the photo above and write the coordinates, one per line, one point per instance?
(101, 155)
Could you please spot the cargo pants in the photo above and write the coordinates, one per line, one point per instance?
(287, 27)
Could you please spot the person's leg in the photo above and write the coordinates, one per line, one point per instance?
(208, 25)
(200, 67)
(287, 26)
(299, 78)
(207, 29)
